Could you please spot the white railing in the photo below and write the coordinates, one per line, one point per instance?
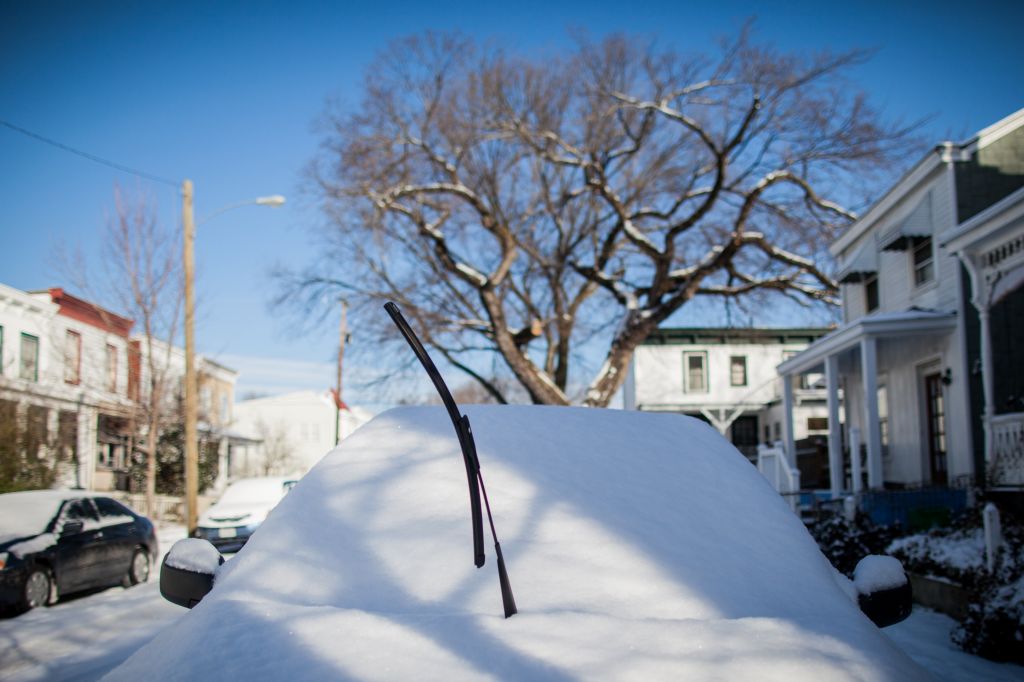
(1007, 465)
(773, 465)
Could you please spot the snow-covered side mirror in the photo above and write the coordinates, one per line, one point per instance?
(883, 589)
(187, 573)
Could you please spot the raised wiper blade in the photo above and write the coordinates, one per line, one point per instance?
(469, 456)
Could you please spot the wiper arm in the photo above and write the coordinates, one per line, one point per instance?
(468, 445)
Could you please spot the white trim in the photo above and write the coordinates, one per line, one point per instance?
(911, 179)
(986, 223)
(906, 323)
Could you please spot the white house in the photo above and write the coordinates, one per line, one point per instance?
(926, 356)
(65, 383)
(727, 377)
(294, 431)
(71, 378)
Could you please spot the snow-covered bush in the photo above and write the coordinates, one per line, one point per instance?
(994, 625)
(846, 542)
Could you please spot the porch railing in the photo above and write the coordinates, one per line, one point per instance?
(1007, 465)
(773, 465)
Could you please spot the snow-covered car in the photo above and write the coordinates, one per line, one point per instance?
(230, 522)
(639, 546)
(55, 542)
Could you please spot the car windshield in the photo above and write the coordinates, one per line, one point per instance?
(254, 490)
(26, 513)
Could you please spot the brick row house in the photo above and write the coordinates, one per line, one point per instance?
(71, 378)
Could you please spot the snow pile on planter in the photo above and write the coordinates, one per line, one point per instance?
(875, 573)
(639, 546)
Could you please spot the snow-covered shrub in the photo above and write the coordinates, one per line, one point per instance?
(994, 625)
(846, 542)
(956, 552)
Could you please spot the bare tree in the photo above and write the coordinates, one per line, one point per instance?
(278, 451)
(139, 275)
(525, 207)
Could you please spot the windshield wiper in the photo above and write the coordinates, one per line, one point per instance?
(473, 475)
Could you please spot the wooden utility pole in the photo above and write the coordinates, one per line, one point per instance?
(342, 337)
(191, 412)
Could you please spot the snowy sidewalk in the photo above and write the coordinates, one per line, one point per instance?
(86, 637)
(925, 638)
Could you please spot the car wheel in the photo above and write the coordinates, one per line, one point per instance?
(138, 569)
(36, 591)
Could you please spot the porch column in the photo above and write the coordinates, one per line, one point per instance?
(872, 431)
(835, 432)
(787, 408)
(987, 391)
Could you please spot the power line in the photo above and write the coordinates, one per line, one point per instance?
(91, 157)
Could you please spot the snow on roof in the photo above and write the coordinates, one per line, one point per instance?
(638, 545)
(30, 512)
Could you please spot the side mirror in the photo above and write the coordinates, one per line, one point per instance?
(71, 528)
(883, 590)
(188, 571)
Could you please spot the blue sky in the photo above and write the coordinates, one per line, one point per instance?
(227, 94)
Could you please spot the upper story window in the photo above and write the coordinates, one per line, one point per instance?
(870, 293)
(72, 357)
(924, 261)
(738, 370)
(111, 368)
(29, 368)
(695, 372)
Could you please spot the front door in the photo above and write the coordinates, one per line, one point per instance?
(936, 417)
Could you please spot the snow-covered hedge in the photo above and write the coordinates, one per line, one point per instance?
(846, 542)
(994, 625)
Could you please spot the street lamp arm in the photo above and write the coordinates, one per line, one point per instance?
(274, 200)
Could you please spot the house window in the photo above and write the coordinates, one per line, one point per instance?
(924, 264)
(817, 423)
(111, 368)
(72, 357)
(738, 370)
(799, 381)
(695, 368)
(871, 293)
(29, 357)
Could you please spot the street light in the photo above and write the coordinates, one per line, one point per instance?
(191, 384)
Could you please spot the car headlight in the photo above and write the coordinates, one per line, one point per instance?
(4, 556)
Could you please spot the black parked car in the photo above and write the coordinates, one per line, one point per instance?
(55, 542)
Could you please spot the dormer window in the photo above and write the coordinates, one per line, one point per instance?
(924, 262)
(871, 293)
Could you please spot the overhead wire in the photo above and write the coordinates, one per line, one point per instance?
(91, 157)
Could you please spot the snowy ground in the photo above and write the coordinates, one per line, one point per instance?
(82, 639)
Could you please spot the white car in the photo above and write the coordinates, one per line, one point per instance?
(639, 546)
(230, 522)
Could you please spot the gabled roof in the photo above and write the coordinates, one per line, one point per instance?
(941, 154)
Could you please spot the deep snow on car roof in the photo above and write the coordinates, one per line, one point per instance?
(29, 512)
(639, 546)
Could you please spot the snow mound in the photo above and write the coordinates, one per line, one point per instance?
(877, 572)
(638, 545)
